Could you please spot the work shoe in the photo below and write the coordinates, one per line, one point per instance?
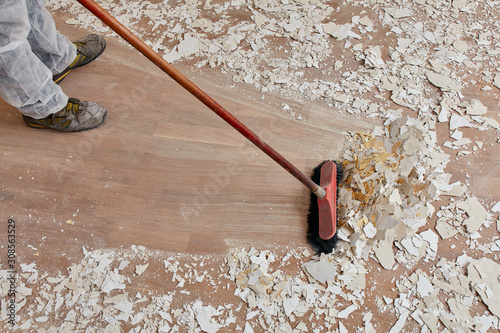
(77, 116)
(87, 49)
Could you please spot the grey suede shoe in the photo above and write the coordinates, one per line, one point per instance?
(88, 49)
(77, 116)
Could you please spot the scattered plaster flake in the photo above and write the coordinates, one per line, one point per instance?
(374, 57)
(338, 65)
(188, 46)
(172, 56)
(370, 230)
(496, 207)
(153, 13)
(252, 314)
(104, 262)
(491, 122)
(378, 131)
(424, 286)
(42, 319)
(456, 189)
(321, 270)
(409, 246)
(445, 230)
(476, 212)
(457, 135)
(398, 13)
(452, 55)
(115, 299)
(109, 285)
(384, 253)
(24, 290)
(457, 121)
(248, 328)
(476, 108)
(462, 142)
(484, 275)
(442, 81)
(125, 307)
(496, 80)
(399, 325)
(463, 260)
(395, 197)
(443, 115)
(301, 327)
(204, 24)
(204, 316)
(290, 305)
(347, 311)
(460, 45)
(365, 20)
(139, 269)
(341, 32)
(26, 325)
(341, 98)
(73, 21)
(342, 328)
(430, 237)
(123, 264)
(165, 328)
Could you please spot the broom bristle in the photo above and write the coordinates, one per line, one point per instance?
(318, 244)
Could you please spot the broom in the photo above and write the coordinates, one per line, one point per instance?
(322, 218)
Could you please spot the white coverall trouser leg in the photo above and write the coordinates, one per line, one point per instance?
(31, 51)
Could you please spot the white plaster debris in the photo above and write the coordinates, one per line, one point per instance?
(476, 108)
(475, 212)
(310, 31)
(393, 174)
(400, 324)
(484, 274)
(496, 207)
(139, 269)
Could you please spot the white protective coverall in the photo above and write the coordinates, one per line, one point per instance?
(31, 52)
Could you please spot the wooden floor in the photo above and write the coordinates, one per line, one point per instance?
(167, 173)
(164, 171)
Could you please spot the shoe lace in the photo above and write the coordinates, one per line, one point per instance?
(81, 50)
(73, 107)
(59, 118)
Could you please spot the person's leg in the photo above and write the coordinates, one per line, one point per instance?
(55, 50)
(28, 84)
(25, 82)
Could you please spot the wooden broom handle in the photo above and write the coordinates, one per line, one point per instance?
(126, 34)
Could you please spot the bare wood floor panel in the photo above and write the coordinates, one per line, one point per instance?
(164, 171)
